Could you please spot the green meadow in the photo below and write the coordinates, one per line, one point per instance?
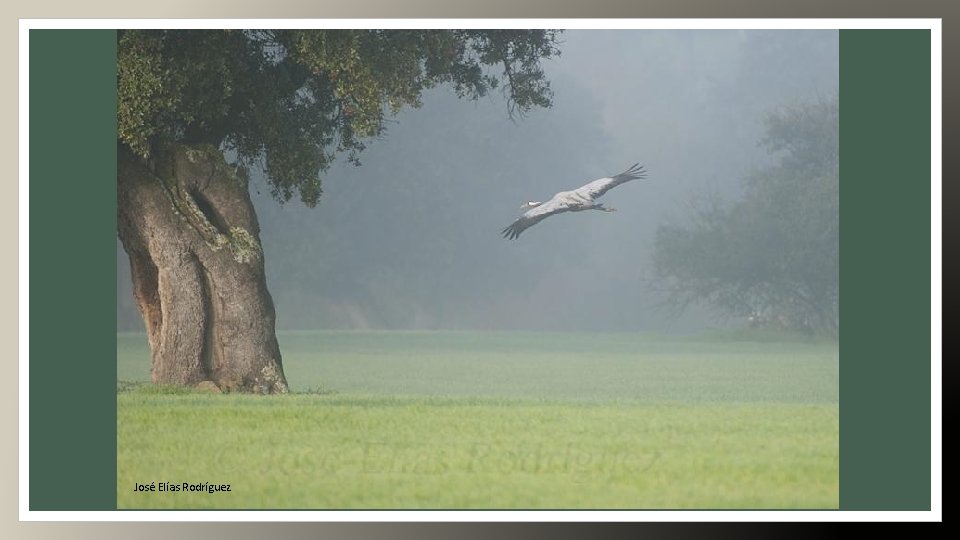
(495, 420)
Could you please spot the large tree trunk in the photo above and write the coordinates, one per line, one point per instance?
(186, 220)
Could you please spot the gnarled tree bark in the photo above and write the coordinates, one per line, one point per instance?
(187, 222)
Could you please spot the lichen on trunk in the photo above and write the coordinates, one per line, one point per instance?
(186, 219)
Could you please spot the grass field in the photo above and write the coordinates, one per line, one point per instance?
(495, 420)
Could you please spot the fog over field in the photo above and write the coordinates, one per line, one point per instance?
(411, 239)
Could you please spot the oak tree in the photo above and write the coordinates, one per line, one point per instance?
(198, 109)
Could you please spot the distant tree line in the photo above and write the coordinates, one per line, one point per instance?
(772, 257)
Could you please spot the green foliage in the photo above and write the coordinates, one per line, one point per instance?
(498, 420)
(773, 256)
(290, 101)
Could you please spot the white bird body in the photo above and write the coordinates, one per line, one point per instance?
(577, 200)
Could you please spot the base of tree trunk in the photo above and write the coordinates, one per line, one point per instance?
(186, 220)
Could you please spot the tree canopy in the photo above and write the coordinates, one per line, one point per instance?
(291, 101)
(774, 255)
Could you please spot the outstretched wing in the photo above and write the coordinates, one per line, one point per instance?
(535, 215)
(595, 189)
(579, 198)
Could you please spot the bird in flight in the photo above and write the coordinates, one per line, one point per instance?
(583, 198)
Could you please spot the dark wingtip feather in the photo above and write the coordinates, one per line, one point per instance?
(634, 172)
(637, 171)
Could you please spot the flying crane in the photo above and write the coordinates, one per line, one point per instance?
(577, 200)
